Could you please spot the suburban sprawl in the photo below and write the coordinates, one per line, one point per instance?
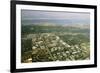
(45, 43)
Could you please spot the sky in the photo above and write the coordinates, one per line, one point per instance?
(60, 18)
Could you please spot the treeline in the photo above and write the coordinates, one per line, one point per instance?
(28, 29)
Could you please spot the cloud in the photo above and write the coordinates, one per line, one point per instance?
(54, 15)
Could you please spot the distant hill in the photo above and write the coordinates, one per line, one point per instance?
(66, 25)
(78, 25)
(53, 22)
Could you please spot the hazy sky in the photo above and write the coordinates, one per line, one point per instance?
(54, 17)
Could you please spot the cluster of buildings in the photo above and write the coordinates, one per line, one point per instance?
(49, 47)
